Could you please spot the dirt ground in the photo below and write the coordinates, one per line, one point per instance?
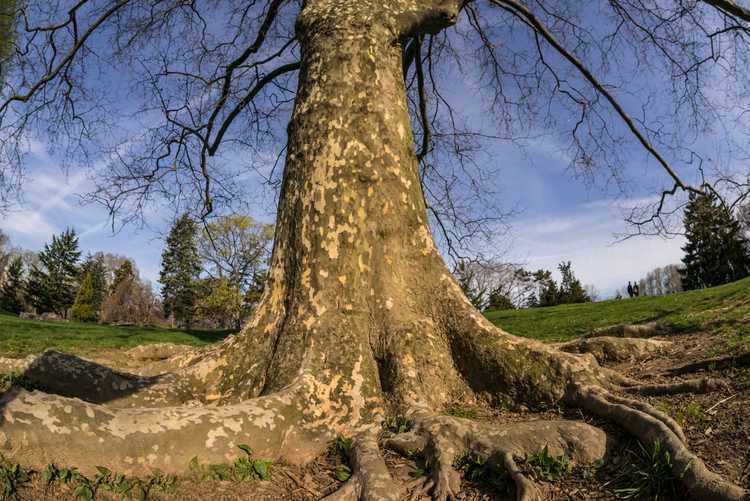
(717, 426)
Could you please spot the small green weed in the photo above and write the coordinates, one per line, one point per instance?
(343, 473)
(243, 469)
(461, 411)
(339, 446)
(549, 467)
(86, 489)
(12, 476)
(649, 475)
(476, 468)
(397, 424)
(692, 413)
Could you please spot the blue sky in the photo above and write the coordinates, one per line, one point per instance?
(561, 217)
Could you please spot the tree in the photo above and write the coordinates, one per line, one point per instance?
(360, 319)
(236, 248)
(223, 304)
(12, 290)
(126, 271)
(470, 280)
(83, 309)
(716, 251)
(180, 267)
(95, 267)
(571, 290)
(53, 284)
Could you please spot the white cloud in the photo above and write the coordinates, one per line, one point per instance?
(29, 224)
(586, 237)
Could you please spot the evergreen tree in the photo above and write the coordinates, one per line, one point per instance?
(52, 285)
(547, 291)
(180, 269)
(96, 268)
(571, 289)
(124, 272)
(716, 251)
(12, 292)
(83, 308)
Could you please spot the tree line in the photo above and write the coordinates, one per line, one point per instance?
(211, 276)
(493, 285)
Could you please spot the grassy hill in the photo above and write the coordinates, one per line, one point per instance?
(19, 337)
(725, 308)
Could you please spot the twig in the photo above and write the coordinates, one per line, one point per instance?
(711, 410)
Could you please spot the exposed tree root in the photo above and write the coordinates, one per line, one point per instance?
(615, 349)
(738, 360)
(525, 488)
(371, 480)
(699, 481)
(441, 440)
(704, 385)
(629, 330)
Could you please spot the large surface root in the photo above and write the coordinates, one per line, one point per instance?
(698, 480)
(442, 440)
(650, 329)
(738, 360)
(704, 385)
(38, 428)
(370, 480)
(615, 349)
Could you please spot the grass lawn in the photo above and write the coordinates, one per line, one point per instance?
(725, 308)
(19, 338)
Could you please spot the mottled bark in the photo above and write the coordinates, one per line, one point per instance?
(360, 317)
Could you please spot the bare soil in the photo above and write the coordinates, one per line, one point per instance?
(717, 426)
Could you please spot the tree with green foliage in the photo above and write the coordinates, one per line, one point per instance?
(547, 292)
(96, 268)
(237, 248)
(52, 285)
(12, 291)
(125, 271)
(468, 279)
(571, 289)
(223, 304)
(83, 309)
(180, 270)
(716, 251)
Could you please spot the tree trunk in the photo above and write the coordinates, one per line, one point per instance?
(360, 318)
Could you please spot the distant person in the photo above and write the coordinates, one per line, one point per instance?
(631, 291)
(636, 290)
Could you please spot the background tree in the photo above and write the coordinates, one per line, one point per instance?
(716, 251)
(236, 248)
(361, 317)
(222, 303)
(125, 271)
(83, 309)
(52, 286)
(12, 289)
(571, 290)
(95, 267)
(180, 267)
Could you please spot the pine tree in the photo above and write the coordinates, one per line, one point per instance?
(94, 266)
(124, 272)
(180, 270)
(12, 292)
(571, 289)
(52, 286)
(716, 251)
(83, 308)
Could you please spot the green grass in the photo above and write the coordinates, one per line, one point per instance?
(725, 308)
(19, 337)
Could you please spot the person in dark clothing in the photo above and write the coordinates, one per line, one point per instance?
(630, 289)
(636, 290)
